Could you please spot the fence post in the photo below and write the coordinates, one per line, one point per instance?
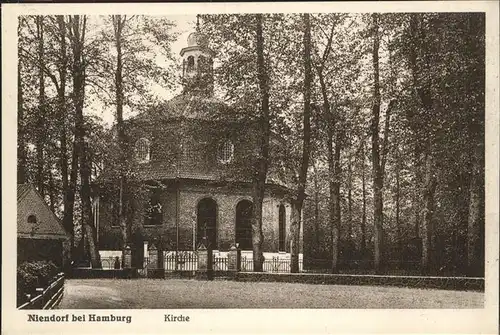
(234, 259)
(127, 258)
(205, 263)
(40, 293)
(152, 257)
(152, 271)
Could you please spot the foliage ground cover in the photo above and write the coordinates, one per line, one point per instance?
(33, 275)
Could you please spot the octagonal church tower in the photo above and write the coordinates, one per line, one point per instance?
(190, 176)
(197, 65)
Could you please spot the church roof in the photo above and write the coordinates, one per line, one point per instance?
(186, 106)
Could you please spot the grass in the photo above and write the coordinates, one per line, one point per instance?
(177, 293)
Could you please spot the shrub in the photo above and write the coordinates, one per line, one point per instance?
(31, 275)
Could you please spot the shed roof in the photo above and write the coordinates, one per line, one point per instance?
(47, 226)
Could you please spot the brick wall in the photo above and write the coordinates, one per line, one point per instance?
(165, 235)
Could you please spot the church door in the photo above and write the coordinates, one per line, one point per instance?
(244, 215)
(206, 228)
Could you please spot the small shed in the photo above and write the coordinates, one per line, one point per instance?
(40, 233)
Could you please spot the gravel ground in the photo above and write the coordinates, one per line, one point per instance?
(177, 293)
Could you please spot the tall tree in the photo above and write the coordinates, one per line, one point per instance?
(420, 63)
(298, 201)
(262, 164)
(78, 27)
(333, 157)
(363, 189)
(40, 177)
(119, 22)
(69, 172)
(21, 136)
(379, 150)
(123, 80)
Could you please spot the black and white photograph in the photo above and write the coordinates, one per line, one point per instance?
(181, 162)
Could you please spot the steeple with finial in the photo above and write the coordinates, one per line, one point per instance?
(197, 63)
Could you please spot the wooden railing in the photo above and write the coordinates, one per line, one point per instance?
(47, 298)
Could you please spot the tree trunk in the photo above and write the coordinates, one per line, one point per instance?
(52, 192)
(262, 163)
(474, 219)
(417, 194)
(69, 198)
(333, 201)
(316, 209)
(87, 217)
(295, 220)
(40, 140)
(21, 136)
(428, 211)
(122, 219)
(336, 195)
(332, 205)
(306, 146)
(399, 240)
(363, 215)
(376, 162)
(424, 94)
(61, 97)
(118, 24)
(78, 38)
(333, 174)
(349, 204)
(68, 177)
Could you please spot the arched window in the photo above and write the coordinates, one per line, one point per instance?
(142, 149)
(190, 63)
(32, 219)
(225, 152)
(202, 64)
(153, 211)
(244, 216)
(206, 227)
(282, 228)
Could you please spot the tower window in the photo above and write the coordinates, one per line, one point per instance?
(202, 64)
(225, 152)
(190, 63)
(32, 219)
(142, 150)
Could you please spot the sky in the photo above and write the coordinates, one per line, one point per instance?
(185, 24)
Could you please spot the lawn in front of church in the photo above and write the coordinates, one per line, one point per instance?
(179, 293)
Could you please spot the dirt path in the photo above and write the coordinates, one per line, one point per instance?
(154, 294)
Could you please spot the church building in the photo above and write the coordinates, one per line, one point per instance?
(191, 158)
